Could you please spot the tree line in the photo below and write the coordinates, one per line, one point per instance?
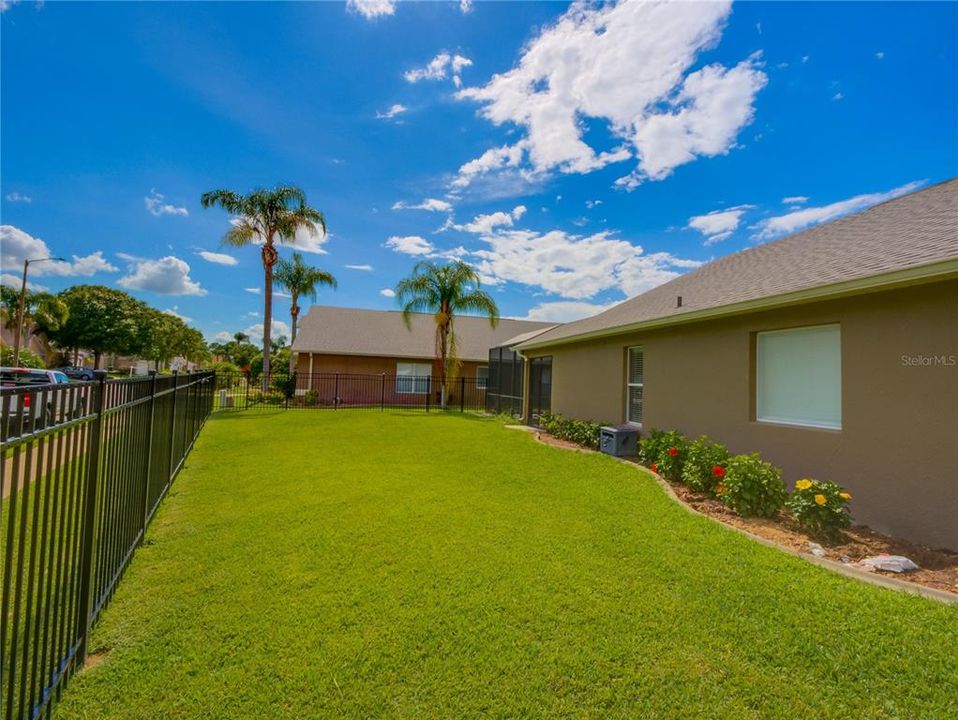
(103, 321)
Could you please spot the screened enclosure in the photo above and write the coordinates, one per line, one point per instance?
(504, 384)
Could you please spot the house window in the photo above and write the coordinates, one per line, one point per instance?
(634, 386)
(482, 377)
(413, 378)
(798, 376)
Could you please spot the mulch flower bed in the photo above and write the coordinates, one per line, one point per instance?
(938, 567)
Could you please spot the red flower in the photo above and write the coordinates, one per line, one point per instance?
(673, 451)
(655, 467)
(718, 471)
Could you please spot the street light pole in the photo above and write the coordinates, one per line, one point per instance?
(18, 330)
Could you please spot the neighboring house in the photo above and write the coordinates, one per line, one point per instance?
(832, 352)
(351, 341)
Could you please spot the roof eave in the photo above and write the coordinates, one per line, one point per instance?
(915, 275)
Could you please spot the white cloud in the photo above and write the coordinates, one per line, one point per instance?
(218, 258)
(795, 200)
(155, 205)
(805, 58)
(430, 204)
(254, 290)
(486, 223)
(564, 311)
(592, 203)
(17, 246)
(223, 337)
(372, 9)
(443, 65)
(387, 292)
(167, 276)
(15, 281)
(364, 268)
(175, 312)
(303, 240)
(718, 224)
(277, 326)
(18, 197)
(465, 6)
(573, 266)
(806, 217)
(393, 111)
(838, 96)
(410, 245)
(627, 66)
(880, 55)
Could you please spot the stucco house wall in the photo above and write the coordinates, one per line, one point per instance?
(897, 449)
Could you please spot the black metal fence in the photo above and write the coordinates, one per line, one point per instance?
(339, 391)
(84, 467)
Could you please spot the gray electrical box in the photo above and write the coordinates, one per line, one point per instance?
(620, 440)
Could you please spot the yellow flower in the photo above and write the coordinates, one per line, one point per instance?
(720, 488)
(820, 499)
(844, 496)
(803, 484)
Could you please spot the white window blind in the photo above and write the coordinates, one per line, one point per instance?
(413, 378)
(635, 386)
(482, 377)
(799, 377)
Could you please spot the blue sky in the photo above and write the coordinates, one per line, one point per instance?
(574, 155)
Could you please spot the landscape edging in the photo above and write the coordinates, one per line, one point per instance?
(841, 568)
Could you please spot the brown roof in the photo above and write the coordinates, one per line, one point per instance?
(908, 232)
(382, 333)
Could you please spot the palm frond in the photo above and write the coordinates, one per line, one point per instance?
(240, 235)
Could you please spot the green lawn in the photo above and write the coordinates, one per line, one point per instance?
(313, 564)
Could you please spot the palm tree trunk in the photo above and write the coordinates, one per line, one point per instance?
(269, 259)
(443, 350)
(294, 316)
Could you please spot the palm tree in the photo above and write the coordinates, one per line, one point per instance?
(300, 279)
(445, 290)
(267, 217)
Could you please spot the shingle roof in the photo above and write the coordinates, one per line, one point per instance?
(909, 231)
(382, 333)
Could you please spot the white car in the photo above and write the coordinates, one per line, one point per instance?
(34, 411)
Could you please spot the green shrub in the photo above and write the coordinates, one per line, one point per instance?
(228, 375)
(752, 486)
(578, 431)
(820, 507)
(704, 465)
(28, 359)
(650, 447)
(285, 385)
(673, 451)
(311, 397)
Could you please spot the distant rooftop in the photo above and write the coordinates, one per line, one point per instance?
(382, 333)
(909, 232)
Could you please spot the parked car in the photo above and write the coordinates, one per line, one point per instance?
(75, 372)
(34, 412)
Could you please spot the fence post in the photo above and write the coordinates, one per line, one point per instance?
(382, 395)
(149, 455)
(336, 393)
(290, 381)
(84, 602)
(176, 384)
(462, 394)
(428, 393)
(246, 405)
